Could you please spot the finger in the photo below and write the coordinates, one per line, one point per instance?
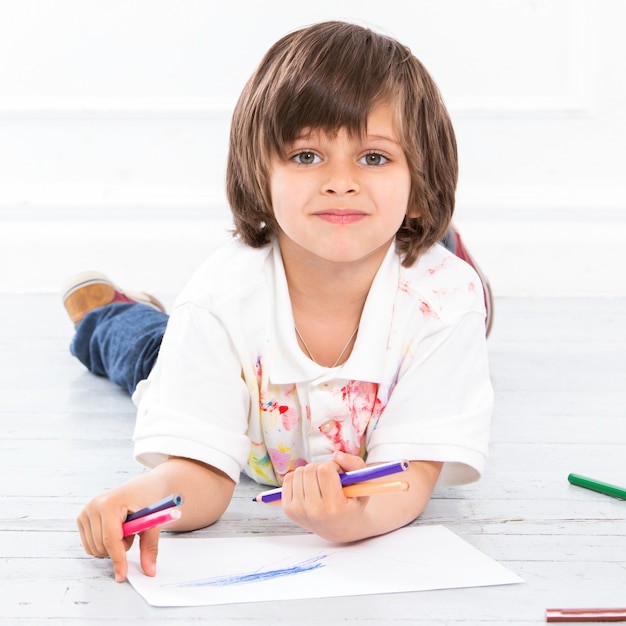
(148, 550)
(86, 539)
(311, 487)
(90, 532)
(294, 489)
(328, 481)
(348, 462)
(287, 488)
(116, 546)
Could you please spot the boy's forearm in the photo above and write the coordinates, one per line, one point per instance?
(206, 491)
(393, 511)
(388, 512)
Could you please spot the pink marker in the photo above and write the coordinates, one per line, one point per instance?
(159, 518)
(586, 615)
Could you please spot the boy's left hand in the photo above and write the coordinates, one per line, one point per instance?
(313, 498)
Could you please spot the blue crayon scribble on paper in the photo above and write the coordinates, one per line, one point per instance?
(254, 577)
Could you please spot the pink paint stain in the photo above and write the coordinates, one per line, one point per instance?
(363, 406)
(363, 402)
(283, 463)
(427, 311)
(289, 417)
(335, 436)
(434, 270)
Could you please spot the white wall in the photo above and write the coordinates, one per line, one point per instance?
(114, 117)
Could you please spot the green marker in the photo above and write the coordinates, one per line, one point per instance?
(596, 485)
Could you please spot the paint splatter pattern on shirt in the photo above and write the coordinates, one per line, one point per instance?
(300, 425)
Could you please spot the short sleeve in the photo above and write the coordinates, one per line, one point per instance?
(441, 405)
(195, 403)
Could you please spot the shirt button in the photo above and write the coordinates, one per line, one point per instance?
(327, 426)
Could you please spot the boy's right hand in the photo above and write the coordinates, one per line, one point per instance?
(100, 527)
(100, 522)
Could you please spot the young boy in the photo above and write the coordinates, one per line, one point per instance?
(331, 332)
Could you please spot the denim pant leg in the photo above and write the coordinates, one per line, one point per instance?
(120, 341)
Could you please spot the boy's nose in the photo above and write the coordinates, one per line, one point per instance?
(341, 180)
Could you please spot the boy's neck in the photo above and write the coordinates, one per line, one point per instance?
(327, 299)
(315, 282)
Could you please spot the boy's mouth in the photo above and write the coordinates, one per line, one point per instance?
(341, 216)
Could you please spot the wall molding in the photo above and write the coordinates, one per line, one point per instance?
(116, 108)
(97, 203)
(80, 109)
(524, 253)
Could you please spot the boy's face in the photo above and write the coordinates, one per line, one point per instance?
(342, 198)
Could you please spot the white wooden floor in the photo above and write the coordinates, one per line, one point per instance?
(559, 370)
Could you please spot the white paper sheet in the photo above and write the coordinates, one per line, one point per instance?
(195, 571)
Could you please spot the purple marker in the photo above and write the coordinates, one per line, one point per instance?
(348, 478)
(167, 503)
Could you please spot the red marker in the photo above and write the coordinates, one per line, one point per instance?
(159, 518)
(586, 615)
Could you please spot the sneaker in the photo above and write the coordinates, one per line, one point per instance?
(90, 290)
(453, 242)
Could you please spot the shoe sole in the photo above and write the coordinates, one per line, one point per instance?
(90, 290)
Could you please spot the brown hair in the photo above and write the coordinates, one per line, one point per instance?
(329, 76)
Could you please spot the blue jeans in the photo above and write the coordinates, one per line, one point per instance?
(120, 341)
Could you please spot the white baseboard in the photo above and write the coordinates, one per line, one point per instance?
(157, 255)
(550, 253)
(524, 254)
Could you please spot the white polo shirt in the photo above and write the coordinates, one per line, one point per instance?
(233, 389)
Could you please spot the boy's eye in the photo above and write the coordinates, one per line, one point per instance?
(306, 158)
(374, 158)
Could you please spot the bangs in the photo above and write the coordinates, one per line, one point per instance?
(333, 84)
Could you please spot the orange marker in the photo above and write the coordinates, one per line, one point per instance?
(361, 490)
